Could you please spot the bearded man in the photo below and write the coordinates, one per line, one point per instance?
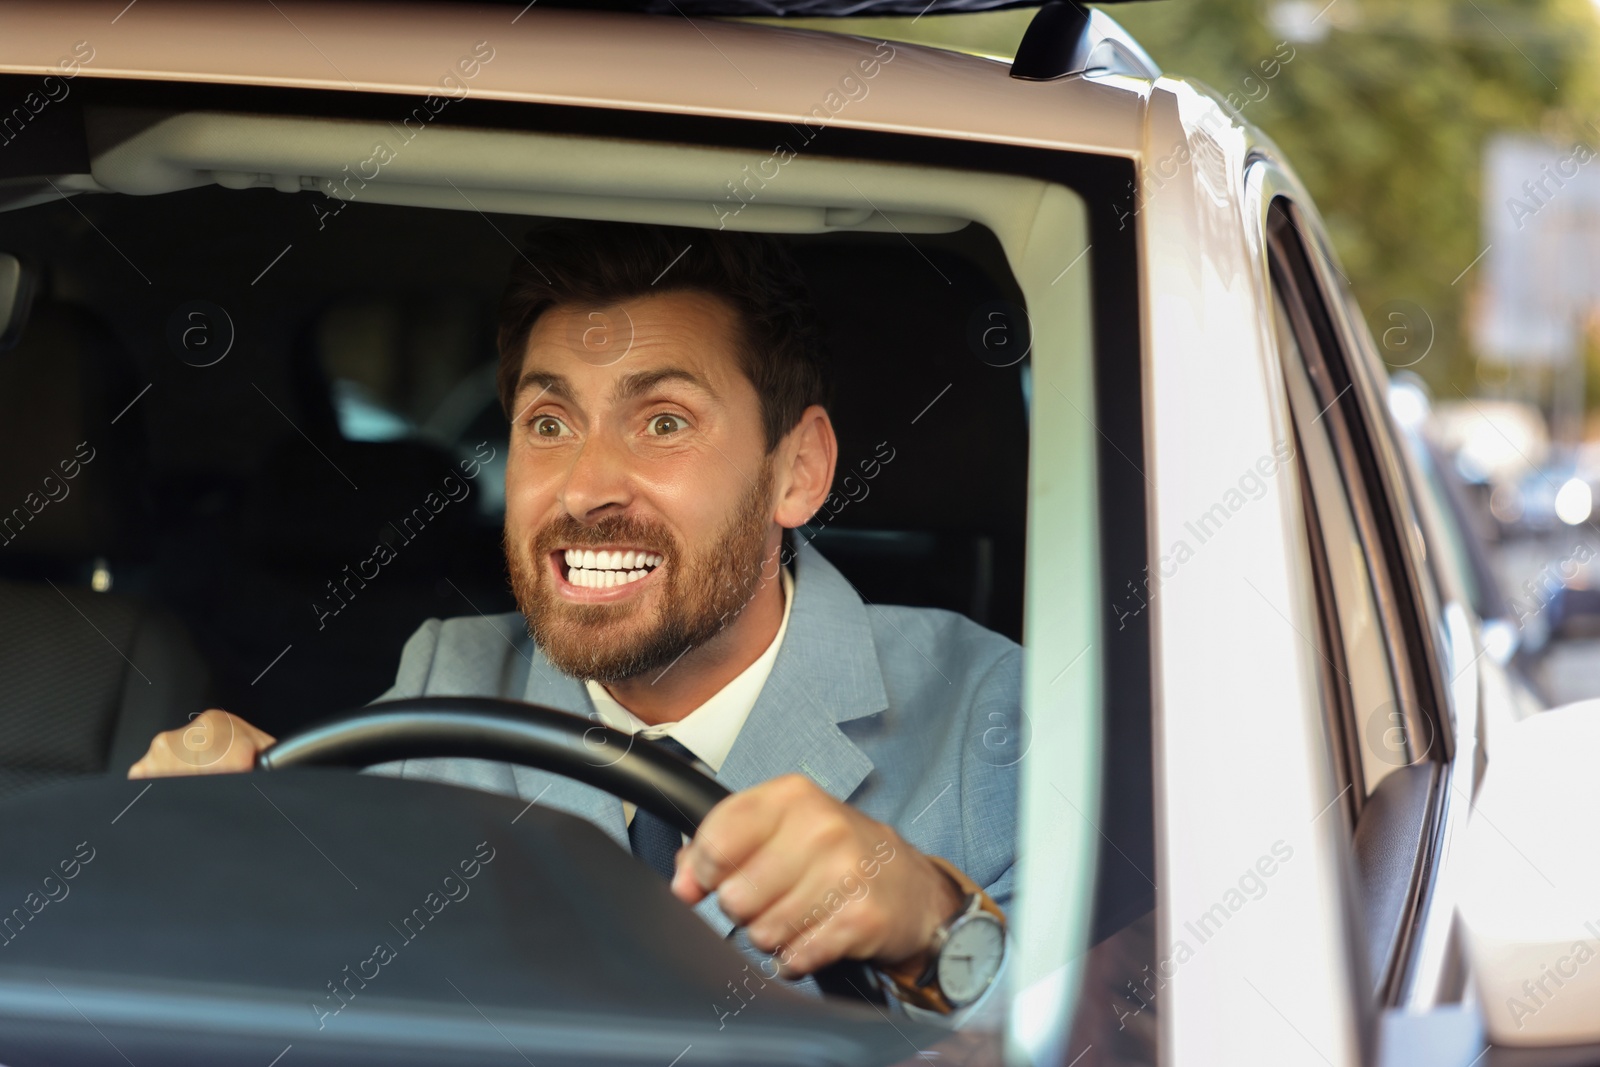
(667, 395)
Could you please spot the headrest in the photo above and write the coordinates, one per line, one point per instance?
(933, 436)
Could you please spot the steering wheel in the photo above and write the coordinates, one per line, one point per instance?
(630, 768)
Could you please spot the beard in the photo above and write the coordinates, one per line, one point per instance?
(701, 594)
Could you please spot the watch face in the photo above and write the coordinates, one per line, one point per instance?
(970, 958)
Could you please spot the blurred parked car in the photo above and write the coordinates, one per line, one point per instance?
(1547, 499)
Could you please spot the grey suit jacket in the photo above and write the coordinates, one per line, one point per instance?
(909, 714)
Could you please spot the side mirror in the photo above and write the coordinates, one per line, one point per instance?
(1530, 892)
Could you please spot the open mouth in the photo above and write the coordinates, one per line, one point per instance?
(589, 568)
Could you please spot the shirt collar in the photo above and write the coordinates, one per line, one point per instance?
(709, 730)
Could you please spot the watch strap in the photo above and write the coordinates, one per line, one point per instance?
(919, 985)
(969, 887)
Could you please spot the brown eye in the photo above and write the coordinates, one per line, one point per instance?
(547, 426)
(662, 425)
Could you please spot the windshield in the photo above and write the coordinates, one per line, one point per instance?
(268, 455)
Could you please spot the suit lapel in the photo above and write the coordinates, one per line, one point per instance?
(826, 673)
(550, 687)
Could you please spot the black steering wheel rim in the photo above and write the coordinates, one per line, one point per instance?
(509, 731)
(630, 768)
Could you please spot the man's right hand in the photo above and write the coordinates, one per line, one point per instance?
(213, 742)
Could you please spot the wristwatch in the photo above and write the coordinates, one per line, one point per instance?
(964, 955)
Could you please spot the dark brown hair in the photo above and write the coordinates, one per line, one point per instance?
(595, 264)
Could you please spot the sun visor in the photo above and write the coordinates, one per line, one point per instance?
(410, 162)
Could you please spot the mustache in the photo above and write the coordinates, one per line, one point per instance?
(568, 532)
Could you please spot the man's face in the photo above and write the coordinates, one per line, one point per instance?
(639, 503)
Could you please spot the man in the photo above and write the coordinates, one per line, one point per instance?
(667, 400)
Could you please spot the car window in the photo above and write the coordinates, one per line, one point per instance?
(318, 390)
(1382, 733)
(1462, 559)
(1367, 696)
(1341, 577)
(1450, 522)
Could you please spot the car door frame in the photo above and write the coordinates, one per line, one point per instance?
(1241, 748)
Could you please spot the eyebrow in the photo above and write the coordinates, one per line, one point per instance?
(642, 382)
(629, 388)
(554, 384)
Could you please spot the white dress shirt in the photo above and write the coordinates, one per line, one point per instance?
(709, 730)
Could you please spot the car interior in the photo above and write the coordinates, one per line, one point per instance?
(222, 512)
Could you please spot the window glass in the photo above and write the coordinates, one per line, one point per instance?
(1366, 677)
(1379, 708)
(335, 482)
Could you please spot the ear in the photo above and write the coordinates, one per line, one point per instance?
(803, 472)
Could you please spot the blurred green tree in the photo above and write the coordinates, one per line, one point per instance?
(1384, 111)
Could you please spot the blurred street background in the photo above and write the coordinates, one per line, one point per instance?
(1451, 147)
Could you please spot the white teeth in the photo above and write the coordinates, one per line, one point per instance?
(594, 578)
(606, 569)
(605, 560)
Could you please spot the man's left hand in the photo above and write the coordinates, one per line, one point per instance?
(813, 880)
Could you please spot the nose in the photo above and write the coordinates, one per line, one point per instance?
(599, 480)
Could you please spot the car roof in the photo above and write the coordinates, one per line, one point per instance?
(580, 58)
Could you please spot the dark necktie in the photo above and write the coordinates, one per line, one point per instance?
(653, 839)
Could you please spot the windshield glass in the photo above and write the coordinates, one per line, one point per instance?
(781, 460)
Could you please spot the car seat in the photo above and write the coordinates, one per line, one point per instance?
(930, 493)
(90, 673)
